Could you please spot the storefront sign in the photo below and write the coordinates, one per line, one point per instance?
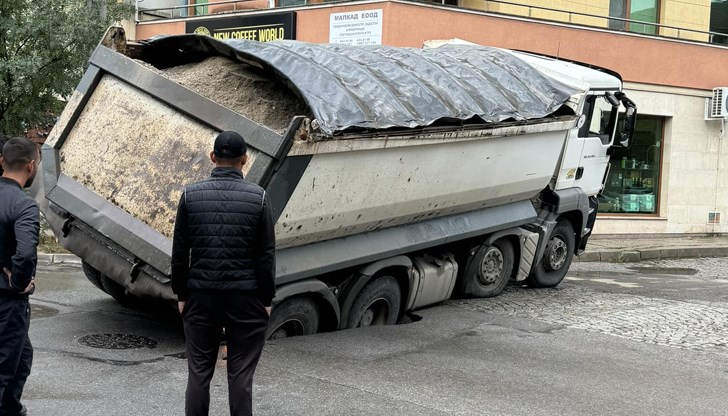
(261, 28)
(356, 28)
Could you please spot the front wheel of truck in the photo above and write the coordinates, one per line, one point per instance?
(557, 256)
(293, 317)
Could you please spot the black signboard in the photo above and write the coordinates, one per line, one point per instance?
(261, 27)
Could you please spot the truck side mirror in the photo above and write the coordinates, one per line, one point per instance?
(612, 99)
(630, 118)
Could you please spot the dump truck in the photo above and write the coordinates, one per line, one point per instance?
(399, 177)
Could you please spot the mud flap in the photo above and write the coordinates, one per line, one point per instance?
(590, 220)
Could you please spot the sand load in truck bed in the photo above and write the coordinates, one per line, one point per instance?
(238, 87)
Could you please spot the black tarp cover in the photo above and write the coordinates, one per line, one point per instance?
(380, 87)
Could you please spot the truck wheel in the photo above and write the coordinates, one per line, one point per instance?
(93, 275)
(118, 292)
(377, 304)
(488, 271)
(293, 317)
(556, 260)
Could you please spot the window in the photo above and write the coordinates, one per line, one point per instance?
(719, 21)
(633, 182)
(600, 119)
(194, 11)
(636, 10)
(288, 3)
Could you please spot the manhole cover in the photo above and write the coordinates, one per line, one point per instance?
(117, 341)
(37, 311)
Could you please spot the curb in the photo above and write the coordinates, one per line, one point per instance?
(631, 256)
(58, 258)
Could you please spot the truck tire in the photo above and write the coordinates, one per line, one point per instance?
(93, 275)
(488, 271)
(378, 303)
(118, 292)
(110, 287)
(551, 268)
(293, 317)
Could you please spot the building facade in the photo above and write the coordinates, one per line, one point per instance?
(674, 179)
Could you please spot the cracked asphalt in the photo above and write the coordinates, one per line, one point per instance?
(613, 339)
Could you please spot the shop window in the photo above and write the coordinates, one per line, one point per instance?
(633, 184)
(635, 10)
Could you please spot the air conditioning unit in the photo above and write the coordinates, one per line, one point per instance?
(719, 103)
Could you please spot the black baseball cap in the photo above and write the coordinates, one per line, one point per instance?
(229, 145)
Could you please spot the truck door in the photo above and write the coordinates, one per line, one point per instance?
(586, 159)
(596, 133)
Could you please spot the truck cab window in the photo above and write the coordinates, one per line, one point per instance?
(600, 119)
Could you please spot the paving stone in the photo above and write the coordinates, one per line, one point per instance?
(665, 322)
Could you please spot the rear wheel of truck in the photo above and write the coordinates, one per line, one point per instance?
(293, 317)
(117, 291)
(488, 270)
(551, 268)
(110, 287)
(93, 275)
(378, 303)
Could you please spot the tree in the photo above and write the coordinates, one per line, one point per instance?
(44, 47)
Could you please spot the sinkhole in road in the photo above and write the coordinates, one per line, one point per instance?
(117, 341)
(409, 318)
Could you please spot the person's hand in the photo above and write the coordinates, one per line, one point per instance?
(268, 309)
(9, 275)
(30, 287)
(181, 306)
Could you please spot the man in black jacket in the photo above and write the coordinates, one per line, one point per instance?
(223, 269)
(19, 228)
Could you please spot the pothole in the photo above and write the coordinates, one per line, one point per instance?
(38, 311)
(117, 341)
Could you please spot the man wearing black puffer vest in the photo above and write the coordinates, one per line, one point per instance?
(223, 270)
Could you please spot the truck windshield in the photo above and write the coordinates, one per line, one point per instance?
(600, 119)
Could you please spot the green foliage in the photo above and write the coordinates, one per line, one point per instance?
(44, 47)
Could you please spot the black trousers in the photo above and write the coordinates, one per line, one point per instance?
(16, 353)
(245, 321)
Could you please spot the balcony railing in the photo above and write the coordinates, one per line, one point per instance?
(489, 6)
(190, 9)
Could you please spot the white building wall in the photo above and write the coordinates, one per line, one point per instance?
(694, 175)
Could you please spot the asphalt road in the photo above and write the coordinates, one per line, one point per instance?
(638, 339)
